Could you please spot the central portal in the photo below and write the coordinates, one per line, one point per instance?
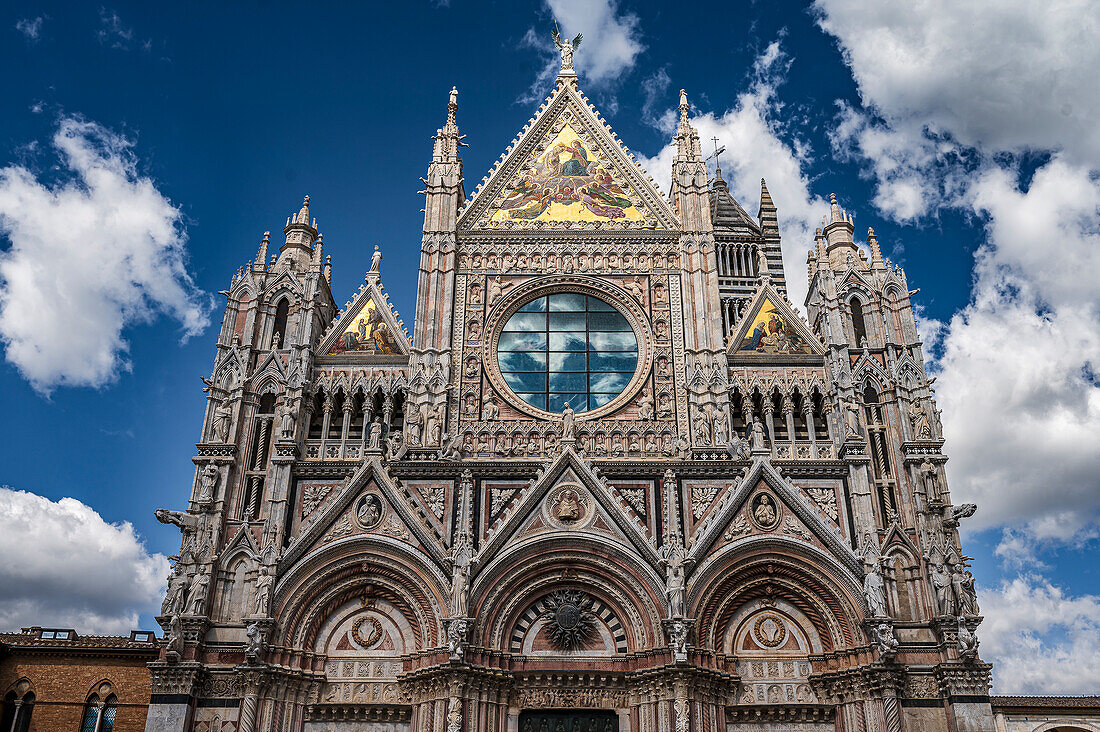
(579, 720)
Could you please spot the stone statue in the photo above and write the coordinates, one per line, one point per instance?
(286, 421)
(674, 585)
(461, 558)
(568, 427)
(851, 408)
(968, 641)
(174, 638)
(721, 434)
(963, 510)
(177, 589)
(255, 644)
(412, 427)
(874, 589)
(376, 260)
(196, 600)
(456, 637)
(678, 639)
(434, 424)
(683, 447)
(918, 419)
(645, 408)
(375, 440)
(221, 421)
(208, 482)
(393, 444)
(928, 478)
(491, 410)
(885, 641)
(635, 289)
(764, 511)
(276, 341)
(261, 602)
(962, 584)
(762, 264)
(452, 450)
(945, 596)
(186, 521)
(566, 49)
(757, 435)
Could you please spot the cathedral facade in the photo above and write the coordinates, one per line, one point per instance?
(612, 480)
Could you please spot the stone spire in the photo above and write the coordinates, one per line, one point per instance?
(876, 252)
(301, 233)
(837, 229)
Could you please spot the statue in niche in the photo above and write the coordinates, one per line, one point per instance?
(375, 437)
(874, 589)
(476, 297)
(928, 478)
(634, 287)
(757, 435)
(491, 410)
(721, 434)
(208, 482)
(255, 643)
(177, 589)
(262, 599)
(645, 408)
(434, 423)
(412, 426)
(764, 511)
(196, 601)
(474, 330)
(702, 433)
(945, 596)
(664, 406)
(918, 419)
(286, 420)
(276, 341)
(393, 444)
(678, 639)
(683, 447)
(851, 407)
(221, 421)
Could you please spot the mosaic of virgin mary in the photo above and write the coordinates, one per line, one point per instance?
(566, 183)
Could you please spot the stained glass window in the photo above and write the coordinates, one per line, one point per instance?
(567, 348)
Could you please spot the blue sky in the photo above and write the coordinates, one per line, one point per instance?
(146, 148)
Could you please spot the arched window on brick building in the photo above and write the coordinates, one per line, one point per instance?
(99, 713)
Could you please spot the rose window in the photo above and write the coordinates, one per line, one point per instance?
(567, 348)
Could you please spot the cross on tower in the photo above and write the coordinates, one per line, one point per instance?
(717, 151)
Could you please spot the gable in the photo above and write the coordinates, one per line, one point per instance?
(771, 328)
(367, 328)
(567, 170)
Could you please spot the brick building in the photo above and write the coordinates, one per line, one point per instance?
(53, 679)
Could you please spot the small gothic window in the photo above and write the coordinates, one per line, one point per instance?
(859, 327)
(99, 717)
(278, 333)
(23, 720)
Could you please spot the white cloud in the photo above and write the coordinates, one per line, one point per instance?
(1043, 641)
(757, 146)
(1018, 380)
(88, 257)
(65, 566)
(954, 95)
(31, 28)
(996, 74)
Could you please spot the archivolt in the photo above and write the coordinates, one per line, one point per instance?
(508, 586)
(775, 567)
(357, 566)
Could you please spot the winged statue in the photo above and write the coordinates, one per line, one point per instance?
(566, 47)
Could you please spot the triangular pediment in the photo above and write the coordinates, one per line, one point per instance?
(544, 505)
(369, 502)
(368, 330)
(566, 170)
(771, 329)
(792, 516)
